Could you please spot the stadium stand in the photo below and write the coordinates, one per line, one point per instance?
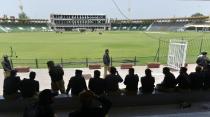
(197, 27)
(16, 27)
(161, 24)
(31, 25)
(100, 22)
(131, 27)
(77, 22)
(170, 26)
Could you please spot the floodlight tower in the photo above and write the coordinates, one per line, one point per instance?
(22, 14)
(129, 9)
(21, 6)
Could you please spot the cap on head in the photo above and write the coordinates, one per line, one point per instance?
(78, 72)
(5, 56)
(97, 73)
(204, 53)
(107, 50)
(131, 70)
(32, 74)
(50, 63)
(166, 70)
(113, 70)
(148, 71)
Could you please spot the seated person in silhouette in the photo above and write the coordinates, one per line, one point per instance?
(169, 82)
(11, 86)
(111, 82)
(76, 84)
(97, 84)
(183, 79)
(87, 108)
(131, 82)
(147, 82)
(56, 74)
(29, 87)
(196, 79)
(42, 108)
(207, 77)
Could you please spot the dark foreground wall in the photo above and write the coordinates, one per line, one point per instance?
(65, 103)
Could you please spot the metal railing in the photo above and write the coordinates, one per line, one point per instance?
(79, 62)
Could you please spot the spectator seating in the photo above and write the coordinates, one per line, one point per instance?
(170, 26)
(130, 27)
(18, 27)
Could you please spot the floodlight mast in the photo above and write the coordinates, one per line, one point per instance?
(129, 9)
(21, 6)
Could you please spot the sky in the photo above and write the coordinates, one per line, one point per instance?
(139, 8)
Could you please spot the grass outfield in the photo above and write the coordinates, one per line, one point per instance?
(49, 45)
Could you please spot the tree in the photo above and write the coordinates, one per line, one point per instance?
(197, 15)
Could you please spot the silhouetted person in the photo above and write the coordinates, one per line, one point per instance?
(196, 79)
(11, 86)
(169, 81)
(207, 77)
(131, 82)
(76, 84)
(147, 82)
(56, 74)
(6, 65)
(111, 82)
(203, 60)
(88, 109)
(29, 87)
(106, 61)
(183, 79)
(97, 84)
(43, 108)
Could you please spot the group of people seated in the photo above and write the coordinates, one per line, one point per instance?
(97, 87)
(198, 80)
(14, 87)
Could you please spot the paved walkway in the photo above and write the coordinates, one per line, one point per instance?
(44, 79)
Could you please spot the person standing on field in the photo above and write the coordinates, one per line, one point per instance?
(106, 60)
(6, 66)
